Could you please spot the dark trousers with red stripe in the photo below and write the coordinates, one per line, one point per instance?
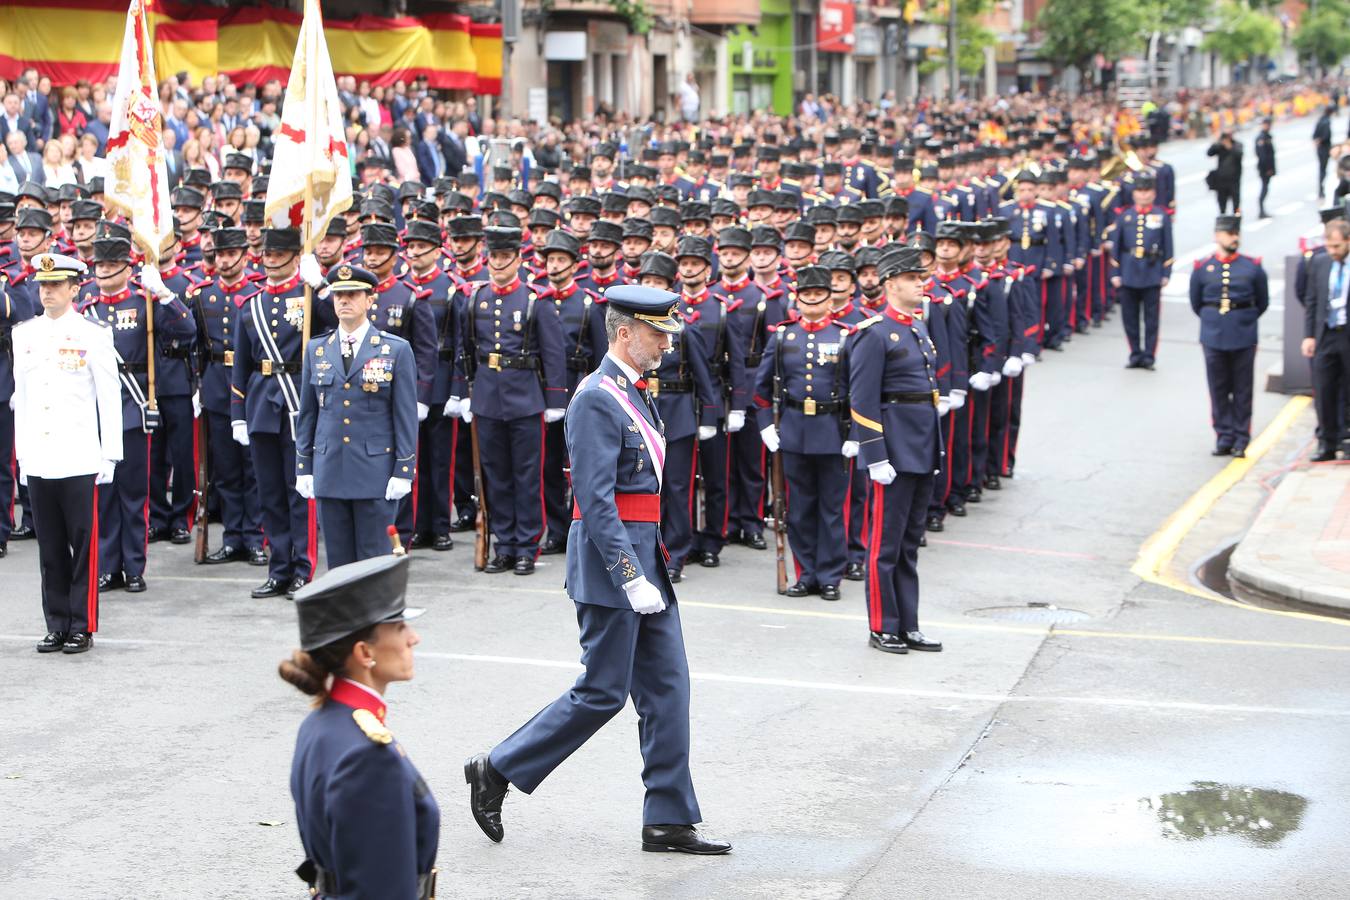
(896, 514)
(7, 470)
(462, 490)
(942, 483)
(1138, 303)
(557, 506)
(981, 407)
(958, 449)
(1002, 441)
(747, 480)
(858, 483)
(173, 464)
(677, 499)
(123, 509)
(714, 462)
(285, 514)
(1016, 390)
(66, 521)
(512, 455)
(1082, 281)
(817, 487)
(436, 454)
(1056, 311)
(233, 485)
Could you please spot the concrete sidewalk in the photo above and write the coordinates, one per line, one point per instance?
(1297, 552)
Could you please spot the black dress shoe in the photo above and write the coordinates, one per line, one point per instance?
(225, 555)
(463, 523)
(487, 789)
(755, 541)
(680, 839)
(1221, 450)
(135, 584)
(974, 495)
(78, 642)
(22, 533)
(257, 557)
(915, 640)
(854, 572)
(829, 592)
(272, 587)
(4, 551)
(1007, 472)
(111, 582)
(552, 547)
(500, 563)
(1325, 453)
(1239, 452)
(956, 507)
(52, 643)
(935, 523)
(295, 585)
(419, 539)
(1149, 364)
(155, 535)
(800, 589)
(442, 542)
(887, 643)
(709, 560)
(923, 540)
(1133, 364)
(675, 575)
(991, 483)
(180, 536)
(524, 565)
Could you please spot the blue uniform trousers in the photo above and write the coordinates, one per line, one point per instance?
(714, 464)
(285, 514)
(8, 466)
(980, 408)
(1016, 388)
(1000, 403)
(817, 493)
(557, 505)
(625, 654)
(233, 485)
(1134, 303)
(895, 517)
(942, 481)
(1056, 311)
(435, 453)
(958, 449)
(354, 529)
(511, 452)
(1082, 287)
(173, 455)
(1230, 374)
(856, 517)
(677, 499)
(123, 509)
(747, 480)
(465, 503)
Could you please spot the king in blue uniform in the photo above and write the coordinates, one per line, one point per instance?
(1229, 293)
(631, 639)
(356, 438)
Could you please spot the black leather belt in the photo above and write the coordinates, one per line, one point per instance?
(446, 353)
(578, 363)
(135, 368)
(658, 386)
(499, 361)
(930, 397)
(753, 361)
(177, 353)
(225, 357)
(813, 407)
(267, 367)
(1246, 304)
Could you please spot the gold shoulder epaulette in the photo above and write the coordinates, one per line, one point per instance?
(373, 727)
(867, 323)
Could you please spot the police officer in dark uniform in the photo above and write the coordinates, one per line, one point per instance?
(356, 437)
(1142, 264)
(368, 822)
(630, 623)
(801, 391)
(1229, 293)
(218, 305)
(14, 309)
(893, 398)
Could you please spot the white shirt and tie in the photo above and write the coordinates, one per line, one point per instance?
(350, 342)
(1338, 282)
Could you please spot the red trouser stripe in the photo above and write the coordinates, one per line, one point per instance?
(543, 509)
(91, 597)
(875, 514)
(312, 544)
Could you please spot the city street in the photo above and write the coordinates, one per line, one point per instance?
(1084, 732)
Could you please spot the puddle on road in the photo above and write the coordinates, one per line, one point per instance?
(1257, 815)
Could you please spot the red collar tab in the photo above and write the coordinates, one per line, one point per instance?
(1031, 205)
(115, 298)
(734, 286)
(605, 280)
(1226, 259)
(843, 310)
(945, 277)
(818, 325)
(503, 291)
(236, 286)
(285, 286)
(896, 315)
(386, 284)
(349, 693)
(423, 279)
(469, 273)
(169, 273)
(1144, 210)
(566, 292)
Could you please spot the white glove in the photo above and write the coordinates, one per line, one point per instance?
(995, 378)
(849, 450)
(1029, 359)
(398, 488)
(23, 478)
(422, 412)
(196, 404)
(1012, 366)
(944, 405)
(466, 414)
(310, 271)
(707, 432)
(769, 435)
(152, 282)
(644, 597)
(453, 408)
(304, 486)
(735, 420)
(881, 473)
(554, 415)
(105, 472)
(11, 403)
(979, 381)
(958, 399)
(240, 431)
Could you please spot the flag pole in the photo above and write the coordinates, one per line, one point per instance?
(309, 291)
(311, 135)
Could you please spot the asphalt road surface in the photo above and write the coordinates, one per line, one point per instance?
(1149, 743)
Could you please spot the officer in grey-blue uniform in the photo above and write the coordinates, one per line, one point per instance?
(631, 639)
(1141, 261)
(1229, 293)
(356, 437)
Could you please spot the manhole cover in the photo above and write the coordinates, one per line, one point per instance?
(1035, 613)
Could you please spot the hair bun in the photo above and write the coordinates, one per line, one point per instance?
(302, 671)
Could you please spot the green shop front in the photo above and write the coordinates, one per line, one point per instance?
(761, 61)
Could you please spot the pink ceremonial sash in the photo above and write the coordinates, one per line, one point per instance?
(652, 438)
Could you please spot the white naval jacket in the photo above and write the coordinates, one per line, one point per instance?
(67, 399)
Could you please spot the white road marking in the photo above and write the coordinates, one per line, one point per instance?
(1259, 224)
(1287, 209)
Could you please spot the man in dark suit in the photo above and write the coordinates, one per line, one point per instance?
(26, 164)
(1322, 142)
(453, 146)
(1265, 162)
(1326, 338)
(1226, 179)
(431, 159)
(173, 158)
(12, 119)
